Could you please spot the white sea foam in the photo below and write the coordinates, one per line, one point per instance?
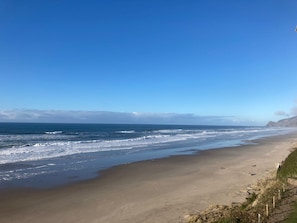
(170, 131)
(54, 132)
(22, 173)
(126, 132)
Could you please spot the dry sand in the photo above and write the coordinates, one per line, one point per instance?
(162, 190)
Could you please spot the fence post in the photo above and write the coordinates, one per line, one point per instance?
(273, 201)
(259, 218)
(284, 188)
(267, 210)
(279, 195)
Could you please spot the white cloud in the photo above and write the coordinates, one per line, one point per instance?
(57, 116)
(281, 113)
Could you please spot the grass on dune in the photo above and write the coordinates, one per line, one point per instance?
(293, 216)
(289, 167)
(289, 170)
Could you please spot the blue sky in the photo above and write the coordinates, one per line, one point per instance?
(152, 61)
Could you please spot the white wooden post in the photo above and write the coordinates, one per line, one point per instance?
(273, 201)
(259, 218)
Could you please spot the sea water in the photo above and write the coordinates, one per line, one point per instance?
(47, 155)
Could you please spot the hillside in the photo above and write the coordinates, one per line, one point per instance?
(288, 122)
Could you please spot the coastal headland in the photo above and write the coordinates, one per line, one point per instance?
(161, 190)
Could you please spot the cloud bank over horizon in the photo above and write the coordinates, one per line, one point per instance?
(293, 111)
(59, 116)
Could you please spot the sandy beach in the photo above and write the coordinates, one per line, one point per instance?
(163, 190)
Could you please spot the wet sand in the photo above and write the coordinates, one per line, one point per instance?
(163, 190)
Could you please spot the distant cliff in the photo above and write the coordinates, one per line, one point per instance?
(288, 122)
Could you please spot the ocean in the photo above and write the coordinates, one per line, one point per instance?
(48, 155)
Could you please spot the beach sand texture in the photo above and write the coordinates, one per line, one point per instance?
(163, 190)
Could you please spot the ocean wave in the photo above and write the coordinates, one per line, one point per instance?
(52, 149)
(46, 150)
(54, 132)
(34, 137)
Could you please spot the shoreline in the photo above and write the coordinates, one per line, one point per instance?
(160, 190)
